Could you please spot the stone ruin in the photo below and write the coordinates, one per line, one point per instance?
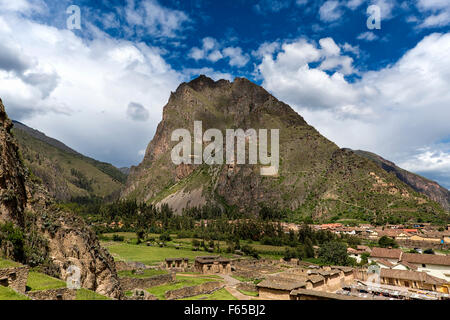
(14, 278)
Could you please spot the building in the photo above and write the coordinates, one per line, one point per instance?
(412, 279)
(176, 263)
(212, 264)
(390, 255)
(434, 265)
(276, 288)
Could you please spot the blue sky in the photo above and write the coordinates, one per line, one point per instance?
(101, 89)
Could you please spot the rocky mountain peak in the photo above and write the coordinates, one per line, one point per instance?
(315, 179)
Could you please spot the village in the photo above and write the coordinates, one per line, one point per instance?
(418, 268)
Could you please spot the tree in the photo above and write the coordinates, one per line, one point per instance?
(386, 242)
(334, 253)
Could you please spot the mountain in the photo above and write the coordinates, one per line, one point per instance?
(316, 179)
(66, 173)
(34, 231)
(423, 185)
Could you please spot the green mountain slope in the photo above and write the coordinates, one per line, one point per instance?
(423, 185)
(316, 179)
(66, 173)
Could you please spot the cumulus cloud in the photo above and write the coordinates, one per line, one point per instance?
(330, 11)
(437, 13)
(137, 112)
(388, 111)
(73, 88)
(152, 18)
(236, 56)
(212, 51)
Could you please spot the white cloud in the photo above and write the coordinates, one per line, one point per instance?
(330, 11)
(209, 72)
(267, 48)
(353, 49)
(209, 50)
(237, 58)
(353, 4)
(367, 36)
(74, 89)
(393, 111)
(23, 6)
(154, 19)
(212, 52)
(436, 12)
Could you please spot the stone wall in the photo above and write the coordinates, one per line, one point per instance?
(204, 288)
(128, 283)
(14, 278)
(247, 286)
(53, 294)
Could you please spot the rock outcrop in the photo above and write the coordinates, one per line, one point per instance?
(65, 240)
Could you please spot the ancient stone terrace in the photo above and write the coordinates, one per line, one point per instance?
(14, 278)
(212, 264)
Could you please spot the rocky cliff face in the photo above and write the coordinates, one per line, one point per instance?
(63, 239)
(316, 178)
(427, 187)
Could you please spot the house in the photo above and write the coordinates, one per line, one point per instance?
(276, 288)
(390, 255)
(212, 264)
(435, 265)
(411, 279)
(358, 252)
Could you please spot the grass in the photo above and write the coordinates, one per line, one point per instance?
(181, 282)
(146, 273)
(84, 294)
(147, 255)
(221, 294)
(8, 264)
(249, 293)
(10, 294)
(39, 281)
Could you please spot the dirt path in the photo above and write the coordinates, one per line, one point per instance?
(230, 286)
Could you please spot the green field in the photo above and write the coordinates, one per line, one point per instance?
(147, 255)
(181, 282)
(84, 294)
(145, 274)
(221, 294)
(184, 251)
(39, 281)
(8, 263)
(249, 293)
(10, 294)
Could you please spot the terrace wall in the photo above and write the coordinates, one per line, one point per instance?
(129, 283)
(204, 288)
